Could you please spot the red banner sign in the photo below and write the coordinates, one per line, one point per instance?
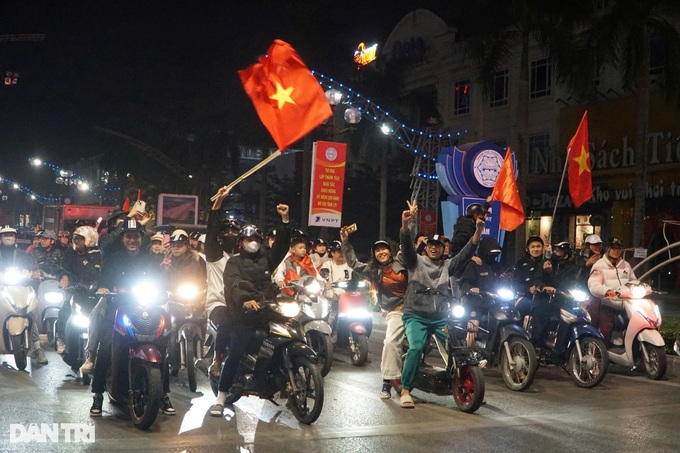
(328, 183)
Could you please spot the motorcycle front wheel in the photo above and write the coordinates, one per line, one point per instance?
(518, 370)
(145, 395)
(322, 345)
(468, 388)
(655, 367)
(590, 371)
(358, 349)
(307, 401)
(190, 357)
(19, 352)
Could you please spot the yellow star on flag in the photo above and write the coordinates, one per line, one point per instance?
(282, 95)
(581, 160)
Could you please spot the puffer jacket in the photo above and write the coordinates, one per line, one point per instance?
(605, 276)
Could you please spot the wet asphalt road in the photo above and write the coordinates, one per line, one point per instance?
(627, 412)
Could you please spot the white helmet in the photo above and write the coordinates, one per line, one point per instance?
(8, 229)
(8, 240)
(89, 234)
(593, 239)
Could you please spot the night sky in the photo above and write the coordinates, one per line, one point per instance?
(159, 71)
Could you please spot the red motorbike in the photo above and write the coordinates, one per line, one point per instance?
(355, 320)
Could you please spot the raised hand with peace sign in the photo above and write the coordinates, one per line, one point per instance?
(408, 215)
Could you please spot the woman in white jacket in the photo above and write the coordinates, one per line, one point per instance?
(607, 275)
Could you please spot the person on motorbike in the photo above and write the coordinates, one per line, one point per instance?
(193, 239)
(528, 276)
(425, 313)
(118, 272)
(156, 247)
(319, 254)
(63, 240)
(83, 264)
(50, 261)
(590, 254)
(608, 274)
(221, 243)
(389, 276)
(337, 270)
(296, 265)
(11, 255)
(247, 284)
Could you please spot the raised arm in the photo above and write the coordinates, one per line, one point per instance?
(407, 249)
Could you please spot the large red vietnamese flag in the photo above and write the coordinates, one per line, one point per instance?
(580, 175)
(286, 95)
(505, 191)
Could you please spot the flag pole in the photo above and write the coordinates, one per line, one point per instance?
(559, 191)
(245, 175)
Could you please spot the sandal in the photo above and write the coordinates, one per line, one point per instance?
(215, 369)
(407, 402)
(217, 410)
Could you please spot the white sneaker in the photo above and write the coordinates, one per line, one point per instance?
(39, 356)
(87, 367)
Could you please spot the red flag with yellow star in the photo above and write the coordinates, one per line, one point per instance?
(580, 176)
(286, 95)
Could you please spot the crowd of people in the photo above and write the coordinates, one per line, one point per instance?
(241, 268)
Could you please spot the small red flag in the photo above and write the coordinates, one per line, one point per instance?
(505, 191)
(580, 175)
(288, 98)
(126, 205)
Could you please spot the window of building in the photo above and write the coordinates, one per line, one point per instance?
(461, 97)
(541, 78)
(499, 95)
(539, 154)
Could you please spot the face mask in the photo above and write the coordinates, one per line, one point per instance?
(9, 241)
(557, 259)
(229, 243)
(251, 247)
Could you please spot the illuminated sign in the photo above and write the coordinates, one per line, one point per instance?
(363, 56)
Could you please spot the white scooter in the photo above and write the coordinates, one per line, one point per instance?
(18, 303)
(636, 341)
(50, 299)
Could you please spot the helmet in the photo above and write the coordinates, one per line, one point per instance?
(567, 247)
(489, 248)
(118, 213)
(614, 241)
(179, 237)
(132, 225)
(89, 234)
(535, 239)
(593, 239)
(438, 238)
(47, 234)
(7, 229)
(194, 235)
(335, 245)
(250, 231)
(378, 244)
(179, 231)
(157, 237)
(271, 233)
(475, 208)
(295, 233)
(229, 223)
(201, 238)
(319, 241)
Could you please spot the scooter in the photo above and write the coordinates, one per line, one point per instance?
(187, 308)
(461, 376)
(281, 362)
(636, 340)
(18, 303)
(83, 301)
(50, 299)
(314, 319)
(500, 338)
(571, 342)
(138, 361)
(355, 320)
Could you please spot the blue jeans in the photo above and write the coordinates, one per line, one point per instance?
(418, 331)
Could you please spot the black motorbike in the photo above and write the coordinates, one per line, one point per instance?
(569, 340)
(500, 338)
(281, 362)
(187, 308)
(82, 300)
(138, 360)
(461, 376)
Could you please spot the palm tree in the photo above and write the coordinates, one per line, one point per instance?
(621, 36)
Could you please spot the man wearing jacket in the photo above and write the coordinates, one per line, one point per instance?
(426, 313)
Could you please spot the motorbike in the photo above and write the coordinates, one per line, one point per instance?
(636, 341)
(355, 320)
(82, 301)
(280, 361)
(314, 319)
(501, 339)
(571, 342)
(50, 299)
(138, 361)
(18, 303)
(187, 308)
(461, 376)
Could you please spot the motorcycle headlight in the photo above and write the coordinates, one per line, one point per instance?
(187, 291)
(342, 285)
(361, 284)
(355, 313)
(505, 294)
(289, 309)
(54, 297)
(578, 295)
(12, 276)
(638, 292)
(458, 311)
(312, 288)
(145, 293)
(81, 321)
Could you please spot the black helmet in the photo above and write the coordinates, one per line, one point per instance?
(111, 222)
(132, 225)
(535, 239)
(250, 231)
(567, 247)
(319, 241)
(475, 208)
(229, 223)
(295, 233)
(335, 245)
(614, 241)
(271, 233)
(377, 244)
(180, 237)
(193, 235)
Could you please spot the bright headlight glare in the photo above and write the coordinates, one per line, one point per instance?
(578, 295)
(506, 294)
(54, 297)
(289, 309)
(81, 321)
(638, 292)
(361, 284)
(342, 284)
(313, 287)
(187, 291)
(358, 313)
(458, 311)
(12, 276)
(145, 292)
